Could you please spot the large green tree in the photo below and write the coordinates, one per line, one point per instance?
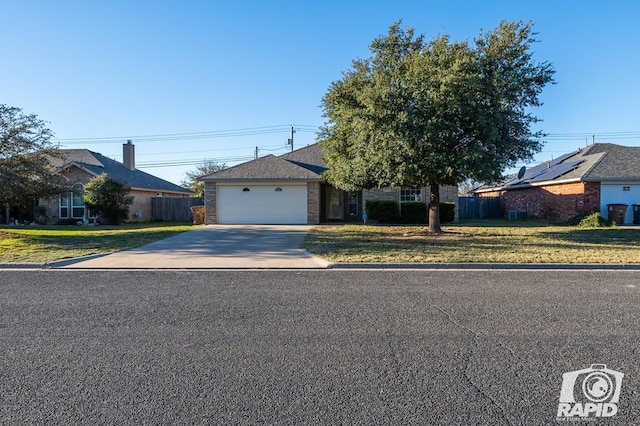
(26, 173)
(109, 198)
(207, 167)
(420, 113)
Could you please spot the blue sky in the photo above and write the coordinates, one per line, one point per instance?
(236, 75)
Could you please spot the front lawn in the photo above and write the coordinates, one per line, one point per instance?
(475, 241)
(40, 244)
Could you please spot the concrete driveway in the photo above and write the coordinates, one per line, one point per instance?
(214, 247)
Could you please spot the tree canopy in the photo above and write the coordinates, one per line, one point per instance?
(26, 173)
(109, 198)
(420, 113)
(207, 167)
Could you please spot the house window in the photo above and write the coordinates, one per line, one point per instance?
(77, 201)
(63, 206)
(410, 194)
(626, 188)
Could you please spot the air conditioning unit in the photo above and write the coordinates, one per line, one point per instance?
(517, 215)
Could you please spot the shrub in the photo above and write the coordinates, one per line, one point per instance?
(109, 198)
(42, 216)
(447, 212)
(593, 220)
(414, 212)
(384, 211)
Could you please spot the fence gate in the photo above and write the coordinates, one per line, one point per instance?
(169, 209)
(479, 208)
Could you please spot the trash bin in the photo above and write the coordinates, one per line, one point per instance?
(198, 215)
(616, 212)
(636, 214)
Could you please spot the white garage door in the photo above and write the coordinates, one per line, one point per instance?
(262, 204)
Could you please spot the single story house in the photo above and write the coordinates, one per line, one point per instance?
(584, 181)
(79, 166)
(290, 189)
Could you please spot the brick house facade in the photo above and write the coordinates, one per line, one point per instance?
(555, 203)
(322, 202)
(79, 166)
(581, 182)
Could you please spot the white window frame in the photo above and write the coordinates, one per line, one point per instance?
(63, 203)
(410, 195)
(74, 197)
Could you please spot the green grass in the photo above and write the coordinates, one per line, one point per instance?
(476, 241)
(40, 244)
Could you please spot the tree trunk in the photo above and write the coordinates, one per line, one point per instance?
(7, 209)
(434, 209)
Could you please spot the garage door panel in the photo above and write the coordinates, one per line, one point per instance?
(258, 204)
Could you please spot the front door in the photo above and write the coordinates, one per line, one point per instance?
(335, 209)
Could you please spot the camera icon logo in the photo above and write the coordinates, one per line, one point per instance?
(590, 392)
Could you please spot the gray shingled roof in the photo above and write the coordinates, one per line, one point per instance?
(98, 164)
(310, 157)
(618, 163)
(597, 162)
(269, 167)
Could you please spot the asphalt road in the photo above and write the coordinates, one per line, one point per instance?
(310, 347)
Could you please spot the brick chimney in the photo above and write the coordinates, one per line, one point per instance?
(129, 155)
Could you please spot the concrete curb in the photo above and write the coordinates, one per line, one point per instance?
(354, 266)
(23, 265)
(48, 265)
(490, 266)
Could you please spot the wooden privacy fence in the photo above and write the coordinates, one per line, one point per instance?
(173, 209)
(479, 208)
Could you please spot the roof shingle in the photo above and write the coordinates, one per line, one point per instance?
(98, 164)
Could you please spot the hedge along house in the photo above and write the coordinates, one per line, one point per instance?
(581, 182)
(79, 166)
(290, 189)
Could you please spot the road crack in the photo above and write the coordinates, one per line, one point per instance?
(476, 338)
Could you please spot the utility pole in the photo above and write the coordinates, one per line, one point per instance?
(290, 140)
(255, 154)
(593, 139)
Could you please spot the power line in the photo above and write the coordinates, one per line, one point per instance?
(267, 148)
(210, 134)
(190, 162)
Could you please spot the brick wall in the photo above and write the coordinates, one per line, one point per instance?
(556, 203)
(313, 203)
(211, 214)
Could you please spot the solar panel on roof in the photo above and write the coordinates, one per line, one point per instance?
(561, 158)
(557, 171)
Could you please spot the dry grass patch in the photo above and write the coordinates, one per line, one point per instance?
(482, 241)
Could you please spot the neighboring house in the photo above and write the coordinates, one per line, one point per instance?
(290, 189)
(581, 182)
(79, 166)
